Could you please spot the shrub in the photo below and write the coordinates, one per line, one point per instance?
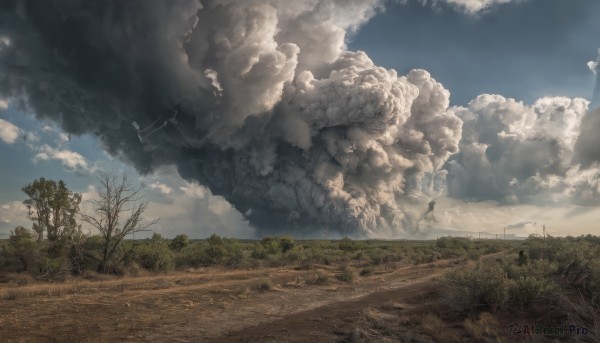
(54, 269)
(270, 244)
(526, 289)
(264, 285)
(213, 254)
(295, 256)
(192, 256)
(260, 253)
(155, 256)
(475, 287)
(214, 239)
(234, 254)
(179, 242)
(379, 256)
(321, 278)
(484, 329)
(347, 275)
(593, 285)
(432, 324)
(473, 255)
(286, 244)
(346, 244)
(22, 253)
(366, 271)
(541, 268)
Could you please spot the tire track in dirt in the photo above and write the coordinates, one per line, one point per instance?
(327, 322)
(211, 309)
(281, 309)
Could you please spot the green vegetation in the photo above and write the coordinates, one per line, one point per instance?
(52, 208)
(347, 275)
(561, 275)
(84, 255)
(56, 248)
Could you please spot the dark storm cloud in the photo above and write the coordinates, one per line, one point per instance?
(258, 100)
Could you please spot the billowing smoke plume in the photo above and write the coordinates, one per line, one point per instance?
(521, 154)
(258, 100)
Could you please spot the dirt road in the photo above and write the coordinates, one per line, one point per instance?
(264, 305)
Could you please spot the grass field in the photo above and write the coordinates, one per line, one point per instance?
(284, 290)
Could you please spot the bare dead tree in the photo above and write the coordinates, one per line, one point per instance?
(117, 213)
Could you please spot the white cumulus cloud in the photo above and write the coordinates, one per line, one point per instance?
(9, 132)
(160, 187)
(13, 213)
(475, 6)
(518, 153)
(71, 160)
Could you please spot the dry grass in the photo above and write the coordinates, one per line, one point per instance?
(320, 278)
(264, 286)
(433, 326)
(484, 329)
(583, 312)
(103, 283)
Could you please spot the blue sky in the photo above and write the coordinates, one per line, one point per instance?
(524, 50)
(183, 207)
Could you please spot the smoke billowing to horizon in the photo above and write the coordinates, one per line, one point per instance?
(261, 102)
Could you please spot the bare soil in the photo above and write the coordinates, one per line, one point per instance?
(219, 305)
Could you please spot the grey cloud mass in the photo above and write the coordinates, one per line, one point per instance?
(262, 103)
(257, 100)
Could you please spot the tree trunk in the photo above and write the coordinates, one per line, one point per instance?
(104, 264)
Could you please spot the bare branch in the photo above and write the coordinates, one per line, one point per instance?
(117, 202)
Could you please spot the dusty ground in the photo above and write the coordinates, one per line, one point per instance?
(267, 305)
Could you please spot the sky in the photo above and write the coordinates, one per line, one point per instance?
(318, 118)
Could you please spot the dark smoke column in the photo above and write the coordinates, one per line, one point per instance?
(257, 100)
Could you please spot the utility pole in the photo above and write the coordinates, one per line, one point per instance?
(544, 226)
(479, 235)
(505, 233)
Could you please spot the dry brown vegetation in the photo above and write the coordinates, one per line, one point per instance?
(449, 290)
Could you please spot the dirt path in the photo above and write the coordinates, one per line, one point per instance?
(220, 306)
(334, 321)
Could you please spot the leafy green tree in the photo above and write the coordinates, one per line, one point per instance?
(118, 212)
(52, 208)
(179, 242)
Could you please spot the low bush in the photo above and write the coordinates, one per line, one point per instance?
(321, 278)
(264, 286)
(156, 256)
(347, 275)
(524, 290)
(179, 242)
(477, 287)
(366, 271)
(483, 329)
